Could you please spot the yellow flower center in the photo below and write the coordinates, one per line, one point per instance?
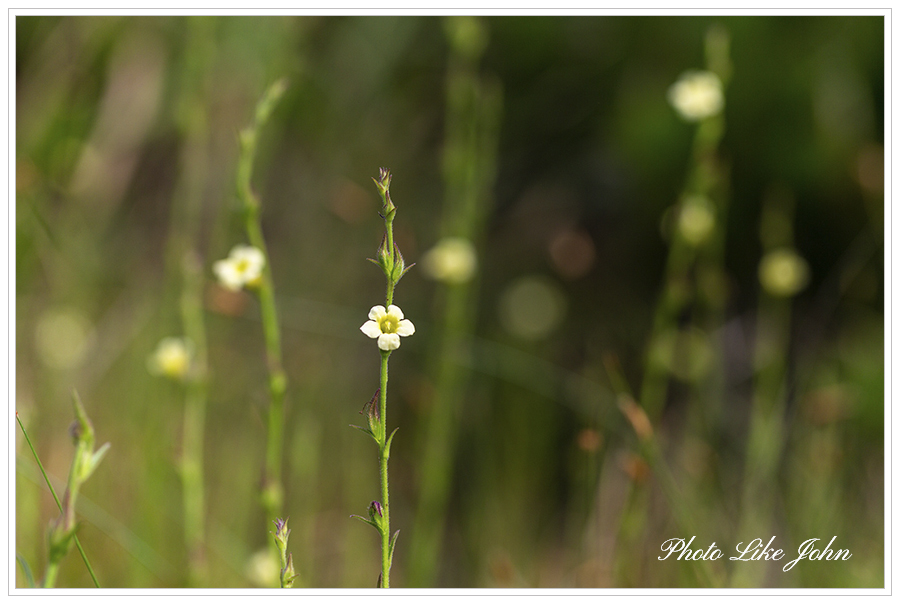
(388, 324)
(241, 266)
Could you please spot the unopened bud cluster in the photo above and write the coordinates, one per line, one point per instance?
(281, 534)
(388, 256)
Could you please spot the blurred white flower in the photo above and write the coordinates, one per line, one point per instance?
(243, 267)
(262, 569)
(452, 260)
(696, 219)
(783, 273)
(387, 325)
(697, 95)
(172, 358)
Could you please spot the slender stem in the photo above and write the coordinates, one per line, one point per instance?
(384, 454)
(59, 505)
(184, 257)
(272, 489)
(50, 575)
(389, 227)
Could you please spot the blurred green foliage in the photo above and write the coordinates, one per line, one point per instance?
(590, 158)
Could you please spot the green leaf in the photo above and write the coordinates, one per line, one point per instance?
(29, 578)
(391, 548)
(387, 446)
(365, 431)
(367, 521)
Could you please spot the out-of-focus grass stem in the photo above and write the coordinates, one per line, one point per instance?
(193, 121)
(765, 440)
(705, 184)
(474, 106)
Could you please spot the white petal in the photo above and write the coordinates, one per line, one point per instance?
(395, 312)
(389, 341)
(228, 275)
(377, 312)
(254, 258)
(406, 328)
(371, 329)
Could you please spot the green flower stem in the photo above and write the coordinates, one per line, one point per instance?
(706, 177)
(273, 489)
(389, 228)
(186, 228)
(383, 455)
(272, 494)
(59, 505)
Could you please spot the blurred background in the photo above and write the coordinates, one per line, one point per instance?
(629, 326)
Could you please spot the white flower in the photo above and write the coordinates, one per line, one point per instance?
(452, 260)
(242, 267)
(697, 95)
(387, 325)
(172, 358)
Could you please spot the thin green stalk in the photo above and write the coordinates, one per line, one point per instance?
(474, 105)
(707, 178)
(391, 262)
(272, 494)
(765, 440)
(194, 424)
(186, 230)
(56, 499)
(383, 455)
(682, 288)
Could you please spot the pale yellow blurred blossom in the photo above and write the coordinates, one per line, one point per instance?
(243, 267)
(387, 325)
(696, 219)
(452, 260)
(783, 273)
(697, 95)
(263, 569)
(172, 358)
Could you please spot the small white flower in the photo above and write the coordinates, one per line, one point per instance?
(172, 358)
(697, 95)
(452, 260)
(242, 267)
(387, 325)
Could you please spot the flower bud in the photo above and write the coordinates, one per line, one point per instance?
(383, 183)
(281, 533)
(287, 573)
(370, 410)
(376, 515)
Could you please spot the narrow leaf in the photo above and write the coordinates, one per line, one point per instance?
(29, 578)
(367, 521)
(387, 446)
